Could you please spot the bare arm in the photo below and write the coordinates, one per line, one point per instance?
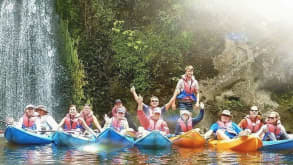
(61, 123)
(172, 100)
(86, 127)
(97, 124)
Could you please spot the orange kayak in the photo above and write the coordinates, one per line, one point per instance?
(190, 139)
(242, 144)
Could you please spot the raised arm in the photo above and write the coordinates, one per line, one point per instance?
(144, 121)
(132, 90)
(199, 117)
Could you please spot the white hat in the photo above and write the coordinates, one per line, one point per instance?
(121, 109)
(157, 110)
(29, 106)
(182, 112)
(226, 112)
(42, 107)
(254, 108)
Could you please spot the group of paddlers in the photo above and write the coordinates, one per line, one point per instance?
(151, 117)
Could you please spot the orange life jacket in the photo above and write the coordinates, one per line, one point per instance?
(29, 122)
(185, 126)
(274, 129)
(71, 122)
(88, 118)
(253, 126)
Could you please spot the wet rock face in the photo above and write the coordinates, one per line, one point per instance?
(247, 75)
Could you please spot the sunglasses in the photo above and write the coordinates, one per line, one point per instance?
(271, 117)
(120, 113)
(226, 115)
(254, 110)
(154, 100)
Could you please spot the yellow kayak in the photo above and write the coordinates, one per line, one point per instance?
(190, 139)
(242, 144)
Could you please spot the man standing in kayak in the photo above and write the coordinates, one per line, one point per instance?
(154, 122)
(187, 90)
(252, 122)
(224, 129)
(273, 129)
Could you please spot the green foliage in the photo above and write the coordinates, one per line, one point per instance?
(124, 43)
(75, 69)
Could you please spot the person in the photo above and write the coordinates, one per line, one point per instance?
(224, 129)
(73, 122)
(87, 115)
(154, 103)
(187, 90)
(118, 103)
(117, 122)
(273, 129)
(186, 122)
(154, 122)
(252, 122)
(28, 120)
(46, 121)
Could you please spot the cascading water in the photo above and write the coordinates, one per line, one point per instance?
(27, 55)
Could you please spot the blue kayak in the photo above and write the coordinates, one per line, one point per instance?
(110, 137)
(278, 145)
(154, 140)
(67, 139)
(21, 136)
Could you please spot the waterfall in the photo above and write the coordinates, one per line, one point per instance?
(28, 56)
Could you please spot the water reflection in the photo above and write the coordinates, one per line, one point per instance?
(95, 154)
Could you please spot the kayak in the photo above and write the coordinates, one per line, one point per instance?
(242, 144)
(154, 140)
(278, 145)
(190, 139)
(67, 139)
(21, 136)
(110, 137)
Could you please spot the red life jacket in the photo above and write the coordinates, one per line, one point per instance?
(71, 122)
(189, 89)
(185, 127)
(253, 126)
(155, 126)
(28, 122)
(117, 124)
(274, 129)
(227, 126)
(88, 118)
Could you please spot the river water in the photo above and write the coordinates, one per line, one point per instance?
(93, 154)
